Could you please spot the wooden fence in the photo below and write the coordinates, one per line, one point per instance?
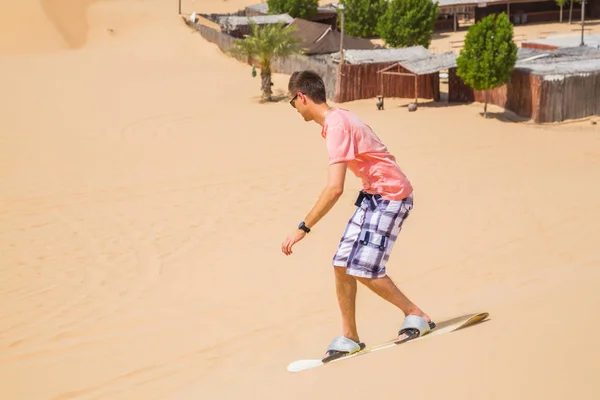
(458, 91)
(571, 97)
(361, 81)
(521, 95)
(327, 71)
(543, 99)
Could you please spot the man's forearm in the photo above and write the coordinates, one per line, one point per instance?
(326, 201)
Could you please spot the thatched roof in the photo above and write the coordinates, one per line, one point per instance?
(234, 21)
(382, 55)
(567, 61)
(319, 38)
(429, 65)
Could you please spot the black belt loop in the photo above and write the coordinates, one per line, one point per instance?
(363, 195)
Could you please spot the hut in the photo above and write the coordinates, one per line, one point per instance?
(427, 67)
(518, 11)
(390, 72)
(546, 85)
(320, 38)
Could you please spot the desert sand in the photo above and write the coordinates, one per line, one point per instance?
(146, 192)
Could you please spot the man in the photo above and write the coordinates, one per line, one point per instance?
(382, 206)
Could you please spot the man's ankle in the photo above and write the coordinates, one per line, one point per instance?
(416, 311)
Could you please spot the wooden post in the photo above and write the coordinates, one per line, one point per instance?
(416, 88)
(179, 7)
(582, 21)
(342, 38)
(339, 91)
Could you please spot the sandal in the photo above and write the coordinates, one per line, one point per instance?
(413, 327)
(341, 346)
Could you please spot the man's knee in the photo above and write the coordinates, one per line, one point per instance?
(341, 272)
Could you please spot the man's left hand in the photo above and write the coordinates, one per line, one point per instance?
(291, 240)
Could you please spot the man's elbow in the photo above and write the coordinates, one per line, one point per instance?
(336, 191)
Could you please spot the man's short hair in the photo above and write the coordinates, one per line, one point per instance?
(308, 83)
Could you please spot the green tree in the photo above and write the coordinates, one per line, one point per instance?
(263, 44)
(489, 55)
(295, 8)
(408, 23)
(361, 16)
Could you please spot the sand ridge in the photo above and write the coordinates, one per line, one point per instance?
(146, 192)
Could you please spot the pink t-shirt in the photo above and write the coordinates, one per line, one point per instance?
(349, 139)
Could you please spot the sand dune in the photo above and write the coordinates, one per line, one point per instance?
(146, 192)
(32, 26)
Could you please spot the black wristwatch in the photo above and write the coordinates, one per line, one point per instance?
(304, 227)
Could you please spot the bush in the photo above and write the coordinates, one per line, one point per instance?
(489, 54)
(295, 8)
(361, 16)
(408, 23)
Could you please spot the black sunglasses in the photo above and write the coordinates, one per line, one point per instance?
(293, 99)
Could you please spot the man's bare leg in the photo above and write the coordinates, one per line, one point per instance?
(345, 286)
(386, 289)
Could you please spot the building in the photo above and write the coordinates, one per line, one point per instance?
(320, 38)
(410, 72)
(546, 85)
(325, 14)
(519, 11)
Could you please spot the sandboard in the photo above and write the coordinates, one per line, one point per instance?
(442, 327)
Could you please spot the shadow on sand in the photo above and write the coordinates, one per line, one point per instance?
(506, 116)
(503, 116)
(448, 323)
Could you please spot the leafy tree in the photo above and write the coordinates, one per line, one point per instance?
(408, 22)
(489, 54)
(295, 8)
(361, 16)
(263, 44)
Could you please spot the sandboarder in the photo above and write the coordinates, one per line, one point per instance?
(383, 204)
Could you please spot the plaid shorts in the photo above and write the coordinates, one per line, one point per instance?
(370, 234)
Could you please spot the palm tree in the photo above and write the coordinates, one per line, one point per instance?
(264, 43)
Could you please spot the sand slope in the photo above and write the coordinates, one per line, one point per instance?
(31, 26)
(146, 192)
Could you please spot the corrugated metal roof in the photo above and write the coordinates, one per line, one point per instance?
(566, 61)
(232, 22)
(431, 64)
(382, 55)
